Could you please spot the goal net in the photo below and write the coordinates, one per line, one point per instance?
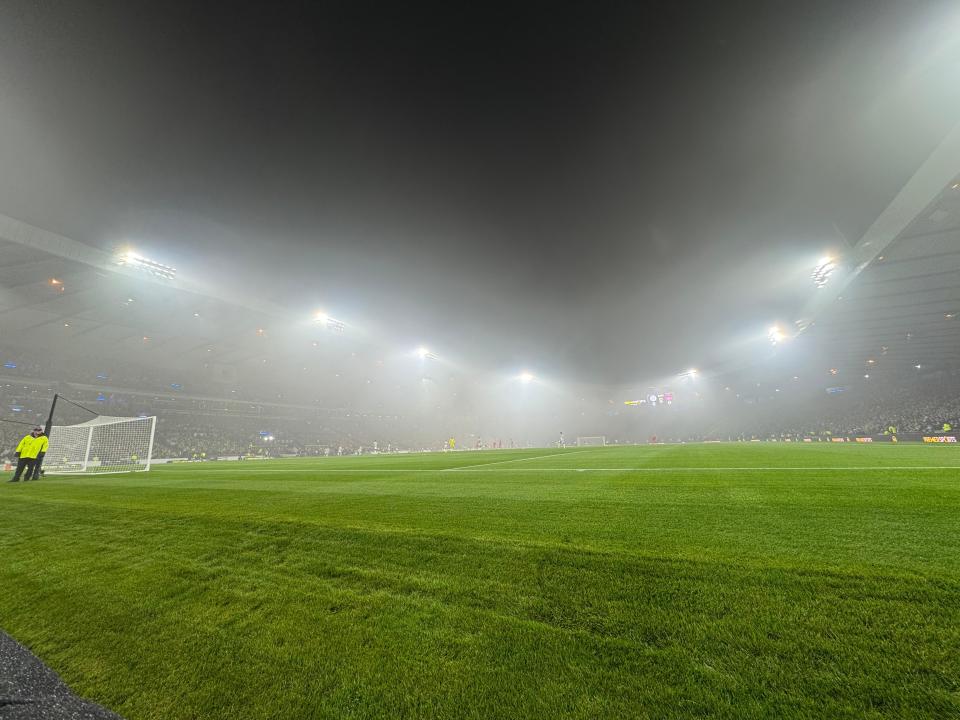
(593, 440)
(102, 445)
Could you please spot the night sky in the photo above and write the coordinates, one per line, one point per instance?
(596, 189)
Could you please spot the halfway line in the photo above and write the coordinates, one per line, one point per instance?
(500, 462)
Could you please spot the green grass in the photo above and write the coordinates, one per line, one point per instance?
(801, 581)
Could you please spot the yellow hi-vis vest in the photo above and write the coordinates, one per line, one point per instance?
(32, 446)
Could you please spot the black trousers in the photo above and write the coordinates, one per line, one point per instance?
(30, 465)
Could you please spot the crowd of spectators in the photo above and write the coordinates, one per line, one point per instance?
(205, 427)
(921, 406)
(200, 438)
(21, 363)
(193, 428)
(194, 419)
(17, 363)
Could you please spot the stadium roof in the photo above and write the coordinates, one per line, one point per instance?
(54, 294)
(899, 302)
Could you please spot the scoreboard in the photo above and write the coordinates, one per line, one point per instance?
(653, 398)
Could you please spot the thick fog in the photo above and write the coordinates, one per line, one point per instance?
(601, 199)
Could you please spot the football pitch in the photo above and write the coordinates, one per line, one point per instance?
(734, 581)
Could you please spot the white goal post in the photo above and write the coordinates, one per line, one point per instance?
(592, 441)
(102, 445)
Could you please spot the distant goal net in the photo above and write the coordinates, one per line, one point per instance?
(591, 441)
(102, 445)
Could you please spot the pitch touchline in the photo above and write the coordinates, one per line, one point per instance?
(691, 469)
(478, 468)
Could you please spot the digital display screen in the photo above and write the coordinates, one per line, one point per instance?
(653, 398)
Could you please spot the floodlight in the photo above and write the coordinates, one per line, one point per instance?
(526, 378)
(424, 353)
(823, 270)
(776, 335)
(135, 261)
(323, 320)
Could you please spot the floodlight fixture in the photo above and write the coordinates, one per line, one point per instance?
(775, 335)
(322, 319)
(525, 377)
(823, 270)
(691, 374)
(133, 260)
(424, 353)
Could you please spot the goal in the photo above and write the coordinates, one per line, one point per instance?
(102, 445)
(591, 441)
